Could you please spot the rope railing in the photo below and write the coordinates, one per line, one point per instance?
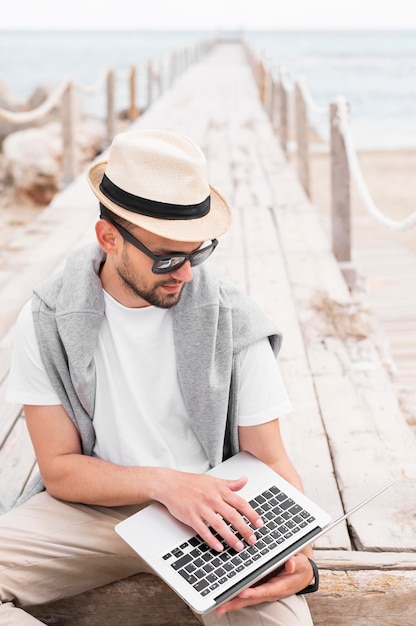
(356, 172)
(160, 74)
(94, 87)
(283, 77)
(311, 104)
(26, 117)
(53, 100)
(344, 159)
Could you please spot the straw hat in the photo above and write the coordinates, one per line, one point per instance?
(157, 179)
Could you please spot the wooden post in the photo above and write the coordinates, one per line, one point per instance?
(173, 67)
(169, 74)
(340, 195)
(179, 55)
(188, 57)
(255, 67)
(159, 78)
(272, 97)
(133, 112)
(276, 103)
(283, 115)
(261, 80)
(111, 115)
(149, 83)
(301, 116)
(180, 62)
(268, 89)
(69, 151)
(191, 55)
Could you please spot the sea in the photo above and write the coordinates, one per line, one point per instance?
(375, 71)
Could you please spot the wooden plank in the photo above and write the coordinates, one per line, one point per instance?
(269, 286)
(9, 414)
(337, 378)
(345, 599)
(310, 265)
(353, 560)
(18, 460)
(141, 599)
(363, 598)
(6, 348)
(42, 247)
(365, 462)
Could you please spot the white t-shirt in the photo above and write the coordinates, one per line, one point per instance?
(139, 416)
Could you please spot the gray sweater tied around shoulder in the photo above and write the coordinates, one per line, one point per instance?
(212, 323)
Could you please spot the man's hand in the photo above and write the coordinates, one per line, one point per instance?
(202, 501)
(296, 575)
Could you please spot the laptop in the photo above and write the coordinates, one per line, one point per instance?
(205, 578)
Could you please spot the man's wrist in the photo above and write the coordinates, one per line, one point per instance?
(314, 585)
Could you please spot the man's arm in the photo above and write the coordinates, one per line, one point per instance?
(197, 500)
(265, 442)
(68, 474)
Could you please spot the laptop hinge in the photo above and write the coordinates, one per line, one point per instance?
(268, 566)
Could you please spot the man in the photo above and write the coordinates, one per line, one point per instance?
(139, 368)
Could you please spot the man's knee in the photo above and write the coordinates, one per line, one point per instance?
(290, 611)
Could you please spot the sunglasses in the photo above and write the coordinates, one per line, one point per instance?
(166, 263)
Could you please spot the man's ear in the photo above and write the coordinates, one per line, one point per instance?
(107, 237)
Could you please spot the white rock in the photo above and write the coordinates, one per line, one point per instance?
(9, 102)
(33, 157)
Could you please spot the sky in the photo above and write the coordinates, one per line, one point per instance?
(208, 14)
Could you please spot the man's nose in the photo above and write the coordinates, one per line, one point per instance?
(183, 273)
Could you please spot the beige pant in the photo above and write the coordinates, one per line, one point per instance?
(51, 549)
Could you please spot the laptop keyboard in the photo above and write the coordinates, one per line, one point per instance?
(206, 569)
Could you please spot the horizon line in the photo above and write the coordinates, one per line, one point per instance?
(211, 29)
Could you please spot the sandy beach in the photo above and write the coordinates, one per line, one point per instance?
(390, 177)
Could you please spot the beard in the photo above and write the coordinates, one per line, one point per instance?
(151, 294)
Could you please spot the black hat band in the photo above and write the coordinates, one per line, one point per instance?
(153, 208)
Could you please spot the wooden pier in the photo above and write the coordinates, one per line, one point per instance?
(347, 435)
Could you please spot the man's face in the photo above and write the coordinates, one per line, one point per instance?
(135, 269)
